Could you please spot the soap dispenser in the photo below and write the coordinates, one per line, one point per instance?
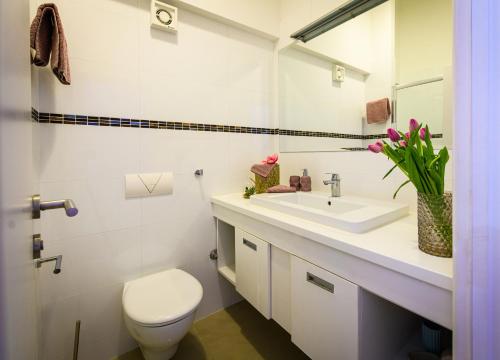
(305, 181)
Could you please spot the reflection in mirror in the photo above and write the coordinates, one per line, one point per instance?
(399, 51)
(315, 107)
(420, 100)
(423, 55)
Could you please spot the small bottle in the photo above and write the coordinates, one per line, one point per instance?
(295, 182)
(305, 181)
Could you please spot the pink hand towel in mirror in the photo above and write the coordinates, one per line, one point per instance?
(378, 111)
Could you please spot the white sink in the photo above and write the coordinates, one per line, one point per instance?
(353, 214)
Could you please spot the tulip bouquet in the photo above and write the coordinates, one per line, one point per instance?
(414, 155)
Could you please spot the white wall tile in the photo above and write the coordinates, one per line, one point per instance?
(111, 207)
(250, 63)
(161, 247)
(87, 152)
(60, 158)
(179, 54)
(184, 100)
(250, 108)
(103, 331)
(110, 25)
(117, 261)
(97, 88)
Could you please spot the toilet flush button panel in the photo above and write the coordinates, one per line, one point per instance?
(149, 184)
(163, 16)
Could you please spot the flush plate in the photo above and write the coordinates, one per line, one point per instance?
(150, 184)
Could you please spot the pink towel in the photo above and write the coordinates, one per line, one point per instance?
(281, 189)
(262, 169)
(46, 37)
(378, 111)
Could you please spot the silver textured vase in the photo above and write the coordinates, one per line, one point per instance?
(435, 234)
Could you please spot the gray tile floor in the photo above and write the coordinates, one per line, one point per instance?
(238, 332)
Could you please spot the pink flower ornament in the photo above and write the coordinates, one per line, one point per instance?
(271, 159)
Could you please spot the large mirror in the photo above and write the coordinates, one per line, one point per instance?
(345, 87)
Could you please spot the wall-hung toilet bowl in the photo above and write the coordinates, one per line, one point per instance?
(159, 310)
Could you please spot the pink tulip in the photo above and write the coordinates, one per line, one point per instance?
(413, 125)
(393, 135)
(403, 143)
(407, 135)
(271, 159)
(422, 133)
(377, 147)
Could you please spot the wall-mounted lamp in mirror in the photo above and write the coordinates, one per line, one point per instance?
(337, 17)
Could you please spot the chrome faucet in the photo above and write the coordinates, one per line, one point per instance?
(334, 183)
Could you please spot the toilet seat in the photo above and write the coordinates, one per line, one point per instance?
(161, 299)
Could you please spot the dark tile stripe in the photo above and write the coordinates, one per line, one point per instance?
(174, 125)
(355, 148)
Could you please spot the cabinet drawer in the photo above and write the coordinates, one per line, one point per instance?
(253, 271)
(324, 310)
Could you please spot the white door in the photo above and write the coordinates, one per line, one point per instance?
(17, 183)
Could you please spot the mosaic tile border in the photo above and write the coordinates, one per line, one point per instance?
(67, 119)
(51, 118)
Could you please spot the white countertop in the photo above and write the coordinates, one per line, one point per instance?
(394, 246)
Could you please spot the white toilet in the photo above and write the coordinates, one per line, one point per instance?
(159, 310)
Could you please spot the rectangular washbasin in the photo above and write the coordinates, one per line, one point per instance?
(349, 213)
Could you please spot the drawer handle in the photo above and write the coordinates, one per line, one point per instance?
(250, 244)
(325, 285)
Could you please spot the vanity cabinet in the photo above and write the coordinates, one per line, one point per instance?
(324, 312)
(253, 270)
(328, 316)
